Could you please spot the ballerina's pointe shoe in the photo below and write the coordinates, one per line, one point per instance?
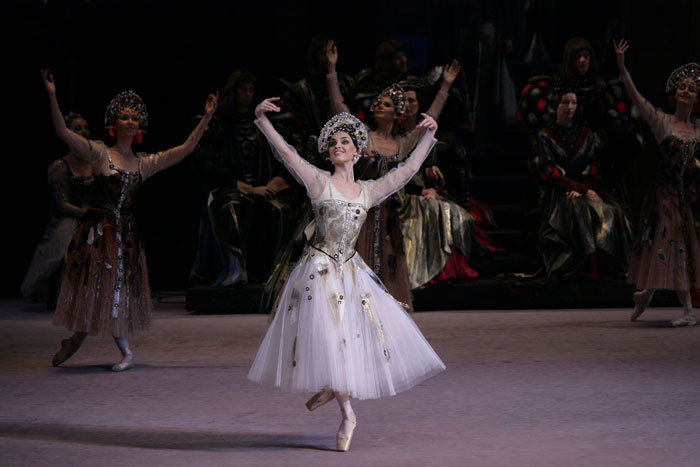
(66, 351)
(684, 321)
(639, 305)
(345, 432)
(320, 398)
(126, 363)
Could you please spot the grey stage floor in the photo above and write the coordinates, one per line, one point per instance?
(522, 388)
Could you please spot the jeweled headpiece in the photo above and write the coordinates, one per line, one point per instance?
(397, 95)
(561, 85)
(564, 85)
(123, 100)
(347, 123)
(689, 70)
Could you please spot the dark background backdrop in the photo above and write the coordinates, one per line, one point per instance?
(173, 54)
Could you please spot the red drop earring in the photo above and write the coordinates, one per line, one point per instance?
(110, 129)
(138, 137)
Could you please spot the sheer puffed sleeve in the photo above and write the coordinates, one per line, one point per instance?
(659, 121)
(380, 189)
(151, 164)
(313, 178)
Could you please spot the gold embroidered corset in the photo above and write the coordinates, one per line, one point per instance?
(338, 225)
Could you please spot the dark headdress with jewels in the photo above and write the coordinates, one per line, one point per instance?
(689, 70)
(347, 123)
(397, 94)
(562, 85)
(123, 100)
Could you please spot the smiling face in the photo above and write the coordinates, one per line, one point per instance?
(566, 108)
(686, 92)
(341, 148)
(127, 123)
(385, 110)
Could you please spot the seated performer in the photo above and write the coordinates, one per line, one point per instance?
(336, 329)
(579, 226)
(248, 211)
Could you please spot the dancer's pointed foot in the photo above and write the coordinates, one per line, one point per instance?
(68, 348)
(126, 363)
(320, 398)
(640, 299)
(345, 433)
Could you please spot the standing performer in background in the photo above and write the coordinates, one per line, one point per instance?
(666, 253)
(71, 183)
(337, 330)
(380, 242)
(104, 288)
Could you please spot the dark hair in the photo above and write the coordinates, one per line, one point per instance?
(560, 87)
(70, 116)
(568, 65)
(316, 45)
(234, 81)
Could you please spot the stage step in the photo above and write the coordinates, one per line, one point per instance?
(503, 294)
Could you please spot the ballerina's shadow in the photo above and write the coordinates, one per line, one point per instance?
(138, 367)
(161, 438)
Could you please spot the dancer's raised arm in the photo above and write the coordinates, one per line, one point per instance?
(449, 74)
(338, 104)
(304, 172)
(78, 144)
(380, 189)
(165, 159)
(647, 111)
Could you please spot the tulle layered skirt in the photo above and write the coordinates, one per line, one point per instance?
(337, 327)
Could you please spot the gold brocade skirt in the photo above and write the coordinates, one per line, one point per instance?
(430, 227)
(380, 244)
(103, 292)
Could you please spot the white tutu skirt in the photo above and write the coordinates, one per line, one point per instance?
(337, 327)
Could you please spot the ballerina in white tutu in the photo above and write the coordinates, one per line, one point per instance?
(336, 329)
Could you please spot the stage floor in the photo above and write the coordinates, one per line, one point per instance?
(581, 387)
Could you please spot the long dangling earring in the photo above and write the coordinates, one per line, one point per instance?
(110, 129)
(138, 137)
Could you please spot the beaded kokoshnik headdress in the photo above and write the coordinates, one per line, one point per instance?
(689, 70)
(397, 95)
(347, 123)
(126, 99)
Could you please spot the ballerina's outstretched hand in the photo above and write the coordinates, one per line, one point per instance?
(267, 106)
